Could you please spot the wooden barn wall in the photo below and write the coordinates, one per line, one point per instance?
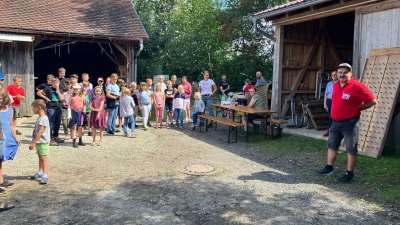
(16, 59)
(375, 30)
(378, 30)
(309, 46)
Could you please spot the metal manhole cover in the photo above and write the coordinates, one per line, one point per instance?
(199, 169)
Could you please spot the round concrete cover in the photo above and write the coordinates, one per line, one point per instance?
(199, 169)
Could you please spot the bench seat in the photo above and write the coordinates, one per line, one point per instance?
(227, 122)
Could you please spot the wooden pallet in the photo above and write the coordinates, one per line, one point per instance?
(317, 116)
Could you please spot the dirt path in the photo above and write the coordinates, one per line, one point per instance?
(138, 181)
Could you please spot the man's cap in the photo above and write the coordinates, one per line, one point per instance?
(345, 65)
(100, 78)
(76, 86)
(74, 76)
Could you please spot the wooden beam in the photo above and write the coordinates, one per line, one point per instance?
(302, 72)
(301, 67)
(331, 10)
(122, 50)
(277, 70)
(335, 53)
(83, 40)
(307, 42)
(378, 7)
(36, 42)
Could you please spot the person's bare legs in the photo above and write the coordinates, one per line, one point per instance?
(45, 164)
(73, 132)
(101, 134)
(331, 156)
(80, 129)
(94, 131)
(187, 112)
(351, 161)
(244, 123)
(40, 164)
(1, 172)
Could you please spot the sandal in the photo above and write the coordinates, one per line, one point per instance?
(93, 143)
(66, 137)
(58, 140)
(5, 206)
(99, 143)
(53, 143)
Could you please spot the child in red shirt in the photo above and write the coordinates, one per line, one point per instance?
(17, 93)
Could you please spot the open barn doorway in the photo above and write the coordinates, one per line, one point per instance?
(77, 58)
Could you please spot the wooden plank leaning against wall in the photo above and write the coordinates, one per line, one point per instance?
(16, 58)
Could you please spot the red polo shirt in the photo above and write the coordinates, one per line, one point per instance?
(347, 100)
(13, 91)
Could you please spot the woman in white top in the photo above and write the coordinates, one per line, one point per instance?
(207, 88)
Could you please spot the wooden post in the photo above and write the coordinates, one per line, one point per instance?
(277, 70)
(357, 64)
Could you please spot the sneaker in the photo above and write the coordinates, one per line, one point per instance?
(210, 125)
(325, 171)
(146, 127)
(326, 134)
(89, 133)
(7, 184)
(44, 180)
(345, 178)
(18, 133)
(186, 120)
(181, 128)
(243, 134)
(136, 126)
(36, 176)
(133, 135)
(190, 121)
(2, 191)
(117, 130)
(125, 135)
(110, 132)
(193, 125)
(149, 124)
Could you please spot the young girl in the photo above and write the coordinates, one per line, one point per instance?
(76, 113)
(144, 99)
(159, 99)
(149, 83)
(98, 115)
(179, 105)
(198, 108)
(65, 104)
(134, 95)
(9, 136)
(87, 94)
(126, 111)
(169, 98)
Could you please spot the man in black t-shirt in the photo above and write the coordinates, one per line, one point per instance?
(223, 86)
(45, 85)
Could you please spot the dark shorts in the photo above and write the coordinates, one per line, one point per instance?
(77, 119)
(15, 111)
(346, 129)
(253, 117)
(168, 106)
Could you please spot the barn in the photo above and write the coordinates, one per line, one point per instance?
(98, 37)
(314, 36)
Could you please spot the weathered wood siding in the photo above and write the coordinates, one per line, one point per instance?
(16, 59)
(375, 30)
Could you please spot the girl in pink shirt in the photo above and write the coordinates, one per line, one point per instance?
(76, 114)
(159, 99)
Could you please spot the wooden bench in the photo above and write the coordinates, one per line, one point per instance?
(229, 123)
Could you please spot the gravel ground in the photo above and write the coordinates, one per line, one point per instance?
(138, 181)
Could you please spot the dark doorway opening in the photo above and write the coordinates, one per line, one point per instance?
(75, 58)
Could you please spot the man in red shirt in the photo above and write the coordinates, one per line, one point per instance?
(17, 94)
(349, 98)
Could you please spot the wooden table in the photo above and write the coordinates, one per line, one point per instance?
(247, 111)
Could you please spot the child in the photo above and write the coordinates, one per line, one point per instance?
(76, 113)
(198, 108)
(9, 136)
(44, 85)
(98, 115)
(230, 100)
(1, 87)
(53, 97)
(134, 95)
(169, 98)
(112, 94)
(179, 105)
(159, 99)
(144, 99)
(126, 111)
(149, 83)
(85, 78)
(65, 103)
(41, 140)
(17, 92)
(121, 85)
(87, 93)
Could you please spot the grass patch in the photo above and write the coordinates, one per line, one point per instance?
(378, 177)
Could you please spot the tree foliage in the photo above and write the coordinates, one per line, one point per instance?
(188, 37)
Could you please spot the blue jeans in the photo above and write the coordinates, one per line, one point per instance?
(55, 116)
(329, 104)
(178, 114)
(126, 119)
(208, 101)
(194, 117)
(112, 116)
